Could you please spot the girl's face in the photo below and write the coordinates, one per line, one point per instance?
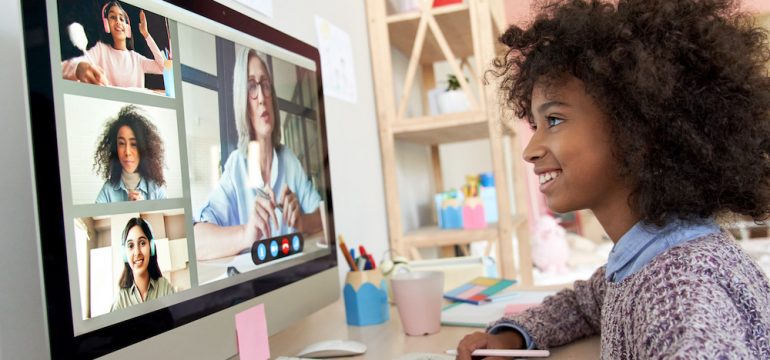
(572, 152)
(128, 152)
(117, 22)
(138, 251)
(260, 99)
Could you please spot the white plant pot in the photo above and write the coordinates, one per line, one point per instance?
(452, 101)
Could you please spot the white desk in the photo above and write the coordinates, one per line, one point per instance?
(388, 341)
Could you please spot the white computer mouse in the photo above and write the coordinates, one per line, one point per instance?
(333, 348)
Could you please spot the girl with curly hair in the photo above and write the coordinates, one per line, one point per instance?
(129, 157)
(655, 115)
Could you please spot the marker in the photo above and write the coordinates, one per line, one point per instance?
(505, 353)
(346, 252)
(361, 262)
(501, 297)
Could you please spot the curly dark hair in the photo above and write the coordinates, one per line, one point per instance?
(684, 84)
(149, 143)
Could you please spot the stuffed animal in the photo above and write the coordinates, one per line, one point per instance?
(550, 250)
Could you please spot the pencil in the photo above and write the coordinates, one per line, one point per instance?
(346, 252)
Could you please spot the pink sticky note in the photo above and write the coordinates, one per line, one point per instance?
(251, 329)
(513, 309)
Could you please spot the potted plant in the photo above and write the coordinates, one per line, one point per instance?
(453, 98)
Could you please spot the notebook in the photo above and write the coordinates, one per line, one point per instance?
(478, 290)
(470, 315)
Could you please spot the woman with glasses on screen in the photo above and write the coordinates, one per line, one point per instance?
(129, 156)
(141, 280)
(279, 198)
(114, 61)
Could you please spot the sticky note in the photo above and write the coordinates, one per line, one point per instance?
(251, 330)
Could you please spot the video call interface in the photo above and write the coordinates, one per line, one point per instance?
(191, 157)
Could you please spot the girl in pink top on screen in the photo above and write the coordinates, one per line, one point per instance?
(116, 63)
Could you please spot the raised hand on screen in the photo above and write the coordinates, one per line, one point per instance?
(143, 24)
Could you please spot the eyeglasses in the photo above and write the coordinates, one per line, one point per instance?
(263, 85)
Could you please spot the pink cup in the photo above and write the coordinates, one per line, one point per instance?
(418, 299)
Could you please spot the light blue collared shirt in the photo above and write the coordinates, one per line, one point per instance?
(113, 193)
(636, 249)
(232, 200)
(639, 245)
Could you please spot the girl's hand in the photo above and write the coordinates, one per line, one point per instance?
(480, 340)
(291, 209)
(143, 24)
(91, 74)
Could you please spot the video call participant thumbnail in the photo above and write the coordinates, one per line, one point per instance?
(282, 200)
(129, 156)
(142, 279)
(113, 61)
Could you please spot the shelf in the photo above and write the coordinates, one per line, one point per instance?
(433, 236)
(454, 22)
(442, 129)
(464, 31)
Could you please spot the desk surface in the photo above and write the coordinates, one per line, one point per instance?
(388, 341)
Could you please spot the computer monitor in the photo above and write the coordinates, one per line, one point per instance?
(181, 171)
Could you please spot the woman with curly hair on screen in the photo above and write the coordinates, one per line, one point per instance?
(655, 115)
(129, 157)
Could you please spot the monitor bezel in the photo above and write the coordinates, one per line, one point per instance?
(50, 216)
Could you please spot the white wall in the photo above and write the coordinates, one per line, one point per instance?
(356, 171)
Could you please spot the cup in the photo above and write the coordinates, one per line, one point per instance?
(168, 78)
(418, 299)
(366, 298)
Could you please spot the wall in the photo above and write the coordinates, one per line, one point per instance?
(356, 171)
(518, 11)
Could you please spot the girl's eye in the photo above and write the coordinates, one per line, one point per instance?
(553, 121)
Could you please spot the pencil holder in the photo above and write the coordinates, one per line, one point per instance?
(366, 298)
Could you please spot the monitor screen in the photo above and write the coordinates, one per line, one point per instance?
(180, 161)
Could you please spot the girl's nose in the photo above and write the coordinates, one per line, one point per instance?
(534, 149)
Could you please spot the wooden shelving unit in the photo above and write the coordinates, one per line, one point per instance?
(464, 35)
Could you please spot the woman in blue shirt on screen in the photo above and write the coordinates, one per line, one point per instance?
(129, 157)
(281, 199)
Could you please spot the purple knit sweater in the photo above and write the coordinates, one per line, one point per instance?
(703, 299)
